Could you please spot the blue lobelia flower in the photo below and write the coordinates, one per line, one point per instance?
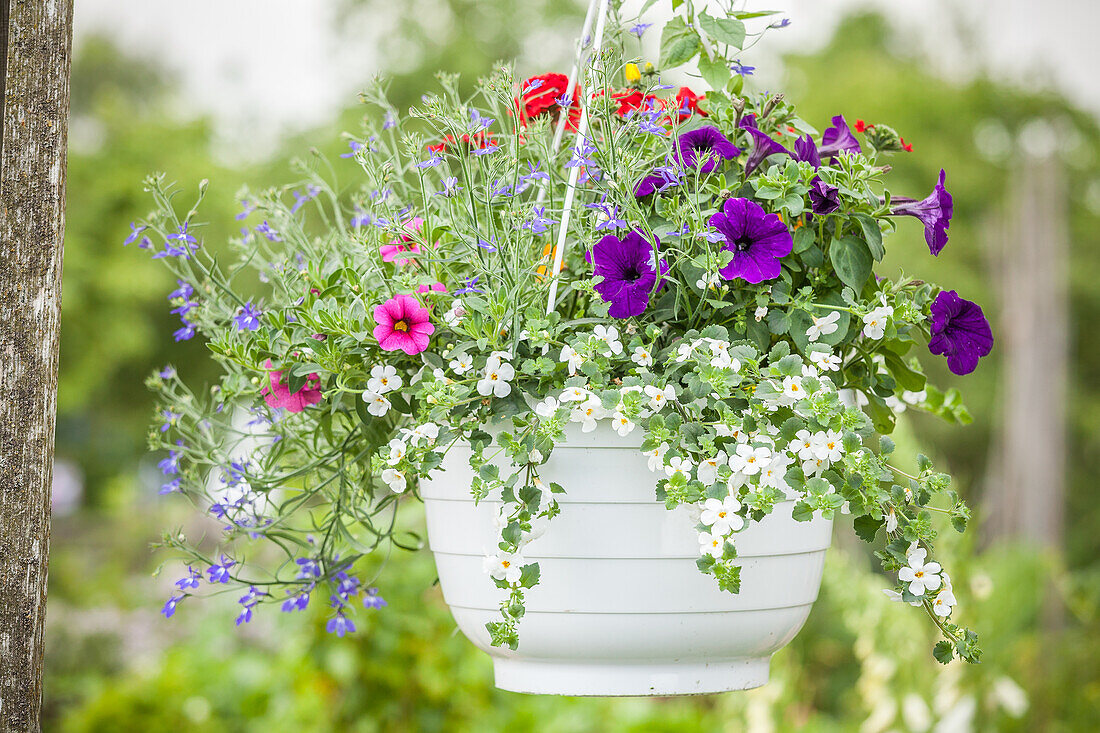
(248, 317)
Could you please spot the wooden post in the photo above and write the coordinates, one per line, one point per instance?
(1025, 493)
(36, 38)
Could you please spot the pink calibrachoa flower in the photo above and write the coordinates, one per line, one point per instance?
(278, 394)
(402, 324)
(434, 287)
(394, 250)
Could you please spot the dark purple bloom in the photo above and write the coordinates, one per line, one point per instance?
(628, 267)
(837, 139)
(248, 317)
(431, 162)
(372, 600)
(934, 212)
(757, 239)
(705, 147)
(806, 151)
(660, 180)
(762, 145)
(824, 199)
(959, 331)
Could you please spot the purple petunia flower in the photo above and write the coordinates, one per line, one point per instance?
(757, 239)
(824, 199)
(806, 151)
(762, 145)
(705, 144)
(959, 331)
(371, 599)
(837, 139)
(934, 212)
(248, 317)
(628, 267)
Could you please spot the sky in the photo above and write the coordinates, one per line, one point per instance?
(262, 68)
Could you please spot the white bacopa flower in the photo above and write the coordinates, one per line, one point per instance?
(574, 394)
(394, 479)
(945, 599)
(397, 451)
(708, 469)
(760, 313)
(708, 282)
(749, 460)
(814, 466)
(874, 323)
(571, 358)
(792, 390)
(656, 457)
(506, 566)
(680, 466)
(497, 376)
(547, 408)
(774, 474)
(830, 446)
(914, 398)
(823, 326)
(622, 424)
(454, 314)
(610, 336)
(802, 445)
(658, 397)
(728, 431)
(711, 543)
(891, 521)
(825, 361)
(721, 516)
(642, 357)
(377, 405)
(920, 575)
(587, 413)
(462, 363)
(852, 397)
(683, 352)
(383, 379)
(896, 596)
(501, 355)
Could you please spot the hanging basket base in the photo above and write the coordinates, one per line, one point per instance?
(623, 680)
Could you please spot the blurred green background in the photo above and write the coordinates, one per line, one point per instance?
(861, 663)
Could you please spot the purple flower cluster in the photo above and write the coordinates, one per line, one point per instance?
(758, 240)
(629, 268)
(959, 331)
(934, 212)
(178, 244)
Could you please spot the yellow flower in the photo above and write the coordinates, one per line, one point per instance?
(631, 73)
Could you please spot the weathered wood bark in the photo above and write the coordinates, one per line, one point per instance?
(1025, 496)
(37, 40)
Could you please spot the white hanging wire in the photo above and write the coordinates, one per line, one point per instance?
(578, 139)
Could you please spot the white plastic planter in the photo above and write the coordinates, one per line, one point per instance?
(621, 608)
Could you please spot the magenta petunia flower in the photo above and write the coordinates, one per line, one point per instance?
(398, 247)
(762, 145)
(934, 212)
(628, 267)
(706, 144)
(757, 239)
(837, 139)
(959, 331)
(434, 288)
(278, 394)
(402, 325)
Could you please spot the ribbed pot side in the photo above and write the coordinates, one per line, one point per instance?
(621, 608)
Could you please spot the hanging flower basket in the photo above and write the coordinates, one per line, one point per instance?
(622, 608)
(633, 376)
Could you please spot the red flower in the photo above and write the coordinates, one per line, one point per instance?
(687, 102)
(543, 98)
(479, 140)
(907, 148)
(862, 126)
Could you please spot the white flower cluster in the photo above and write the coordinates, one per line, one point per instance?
(924, 578)
(396, 471)
(717, 350)
(508, 566)
(498, 374)
(383, 379)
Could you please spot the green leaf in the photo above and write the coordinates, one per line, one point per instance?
(872, 234)
(866, 527)
(803, 240)
(779, 321)
(943, 652)
(724, 30)
(802, 512)
(852, 261)
(679, 43)
(529, 576)
(714, 71)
